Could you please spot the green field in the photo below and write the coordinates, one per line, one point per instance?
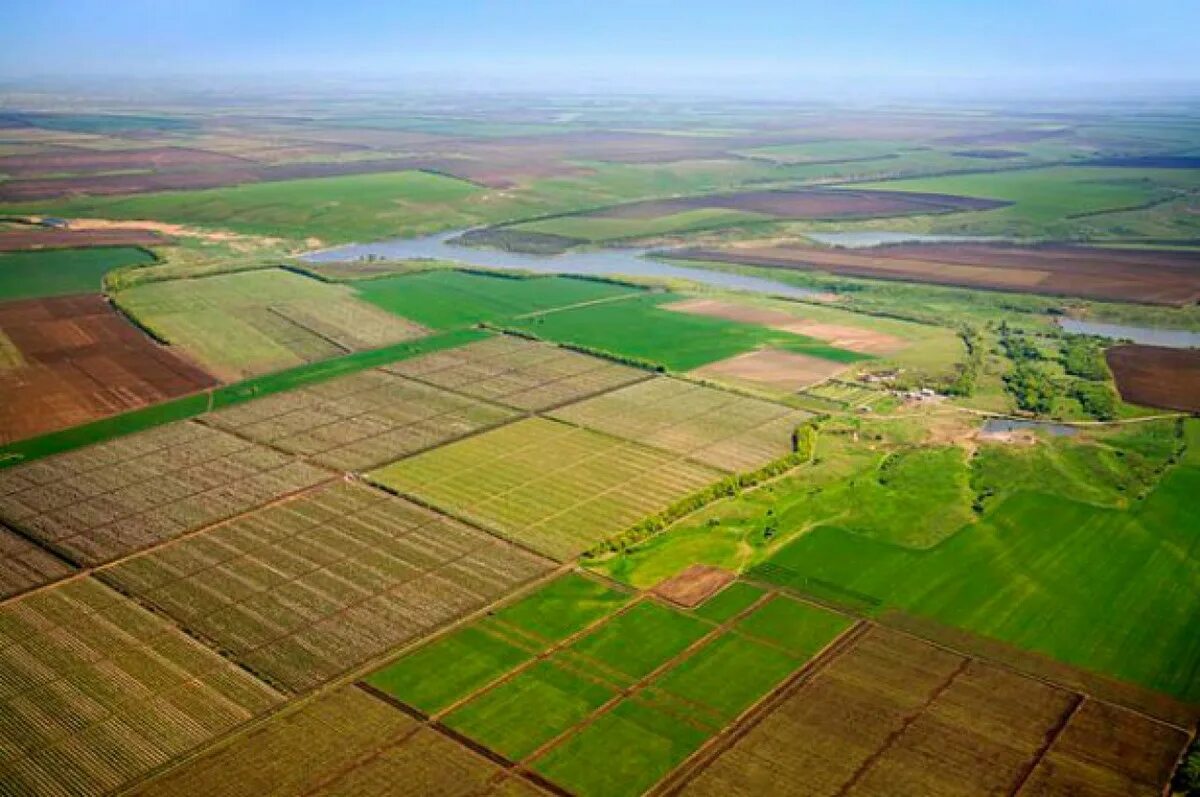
(641, 639)
(563, 607)
(62, 272)
(727, 603)
(597, 229)
(446, 299)
(639, 328)
(728, 674)
(799, 628)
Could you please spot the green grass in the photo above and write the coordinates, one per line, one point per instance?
(436, 675)
(601, 228)
(1114, 591)
(61, 272)
(641, 639)
(728, 675)
(520, 715)
(800, 628)
(446, 299)
(624, 752)
(728, 602)
(563, 607)
(679, 341)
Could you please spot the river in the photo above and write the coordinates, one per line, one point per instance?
(1151, 336)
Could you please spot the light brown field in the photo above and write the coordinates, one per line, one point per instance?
(24, 565)
(774, 369)
(842, 336)
(694, 585)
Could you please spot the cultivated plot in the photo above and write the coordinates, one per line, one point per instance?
(517, 372)
(895, 715)
(24, 565)
(712, 426)
(111, 499)
(626, 681)
(98, 691)
(61, 272)
(68, 360)
(358, 421)
(260, 321)
(1156, 376)
(347, 742)
(556, 488)
(304, 589)
(772, 370)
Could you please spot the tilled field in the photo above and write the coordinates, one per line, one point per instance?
(1167, 278)
(555, 487)
(518, 373)
(24, 565)
(306, 588)
(111, 499)
(43, 238)
(894, 715)
(359, 421)
(96, 692)
(77, 360)
(1156, 376)
(711, 426)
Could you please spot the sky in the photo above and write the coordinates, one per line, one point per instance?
(1107, 45)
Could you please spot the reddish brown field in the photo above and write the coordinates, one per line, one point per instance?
(44, 238)
(806, 204)
(694, 585)
(1156, 376)
(1149, 277)
(82, 361)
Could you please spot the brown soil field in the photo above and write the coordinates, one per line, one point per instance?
(1156, 376)
(82, 361)
(773, 369)
(694, 585)
(73, 161)
(43, 238)
(1148, 277)
(806, 204)
(893, 715)
(844, 337)
(24, 565)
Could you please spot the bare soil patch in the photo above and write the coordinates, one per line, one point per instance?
(1156, 376)
(694, 585)
(82, 361)
(840, 335)
(1149, 277)
(773, 368)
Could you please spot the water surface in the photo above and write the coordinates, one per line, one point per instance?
(1003, 425)
(1150, 336)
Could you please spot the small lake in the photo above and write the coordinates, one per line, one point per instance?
(865, 239)
(1150, 336)
(604, 262)
(1004, 425)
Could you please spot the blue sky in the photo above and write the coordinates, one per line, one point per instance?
(990, 42)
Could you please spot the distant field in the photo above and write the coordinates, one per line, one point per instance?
(60, 272)
(118, 497)
(1154, 376)
(365, 572)
(711, 426)
(118, 692)
(518, 373)
(640, 328)
(359, 421)
(259, 321)
(554, 487)
(636, 684)
(597, 227)
(445, 299)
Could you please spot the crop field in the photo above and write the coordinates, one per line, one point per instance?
(24, 565)
(894, 715)
(61, 272)
(126, 240)
(771, 370)
(628, 681)
(68, 360)
(605, 226)
(518, 373)
(1150, 277)
(358, 421)
(306, 588)
(1155, 376)
(112, 499)
(848, 394)
(98, 691)
(445, 299)
(260, 321)
(714, 427)
(556, 488)
(641, 328)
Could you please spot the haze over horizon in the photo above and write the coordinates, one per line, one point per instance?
(849, 50)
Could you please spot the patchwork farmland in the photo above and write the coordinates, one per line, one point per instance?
(551, 486)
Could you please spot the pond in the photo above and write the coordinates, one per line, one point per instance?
(1150, 336)
(1003, 425)
(610, 262)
